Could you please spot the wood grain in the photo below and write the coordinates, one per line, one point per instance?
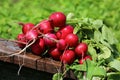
(28, 59)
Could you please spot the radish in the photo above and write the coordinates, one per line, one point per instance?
(68, 56)
(81, 49)
(45, 26)
(30, 35)
(21, 38)
(55, 53)
(38, 47)
(81, 61)
(71, 40)
(26, 27)
(50, 39)
(61, 44)
(63, 32)
(58, 18)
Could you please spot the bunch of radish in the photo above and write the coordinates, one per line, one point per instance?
(55, 36)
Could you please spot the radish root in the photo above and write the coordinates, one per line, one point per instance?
(21, 51)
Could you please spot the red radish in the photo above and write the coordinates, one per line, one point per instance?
(68, 57)
(26, 27)
(30, 35)
(81, 49)
(88, 57)
(45, 26)
(50, 39)
(63, 32)
(55, 53)
(42, 43)
(81, 61)
(58, 18)
(71, 40)
(38, 47)
(21, 38)
(61, 44)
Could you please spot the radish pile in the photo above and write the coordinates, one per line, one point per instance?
(55, 37)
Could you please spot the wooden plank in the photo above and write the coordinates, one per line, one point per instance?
(48, 65)
(6, 59)
(27, 60)
(7, 48)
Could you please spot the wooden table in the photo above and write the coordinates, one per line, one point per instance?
(31, 61)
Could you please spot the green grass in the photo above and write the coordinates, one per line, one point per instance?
(13, 11)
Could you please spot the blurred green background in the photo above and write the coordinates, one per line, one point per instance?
(13, 11)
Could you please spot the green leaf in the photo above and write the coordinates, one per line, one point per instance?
(105, 53)
(97, 24)
(76, 29)
(97, 35)
(107, 44)
(115, 64)
(57, 76)
(78, 67)
(107, 35)
(94, 70)
(113, 76)
(70, 15)
(78, 75)
(92, 52)
(85, 20)
(96, 78)
(99, 71)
